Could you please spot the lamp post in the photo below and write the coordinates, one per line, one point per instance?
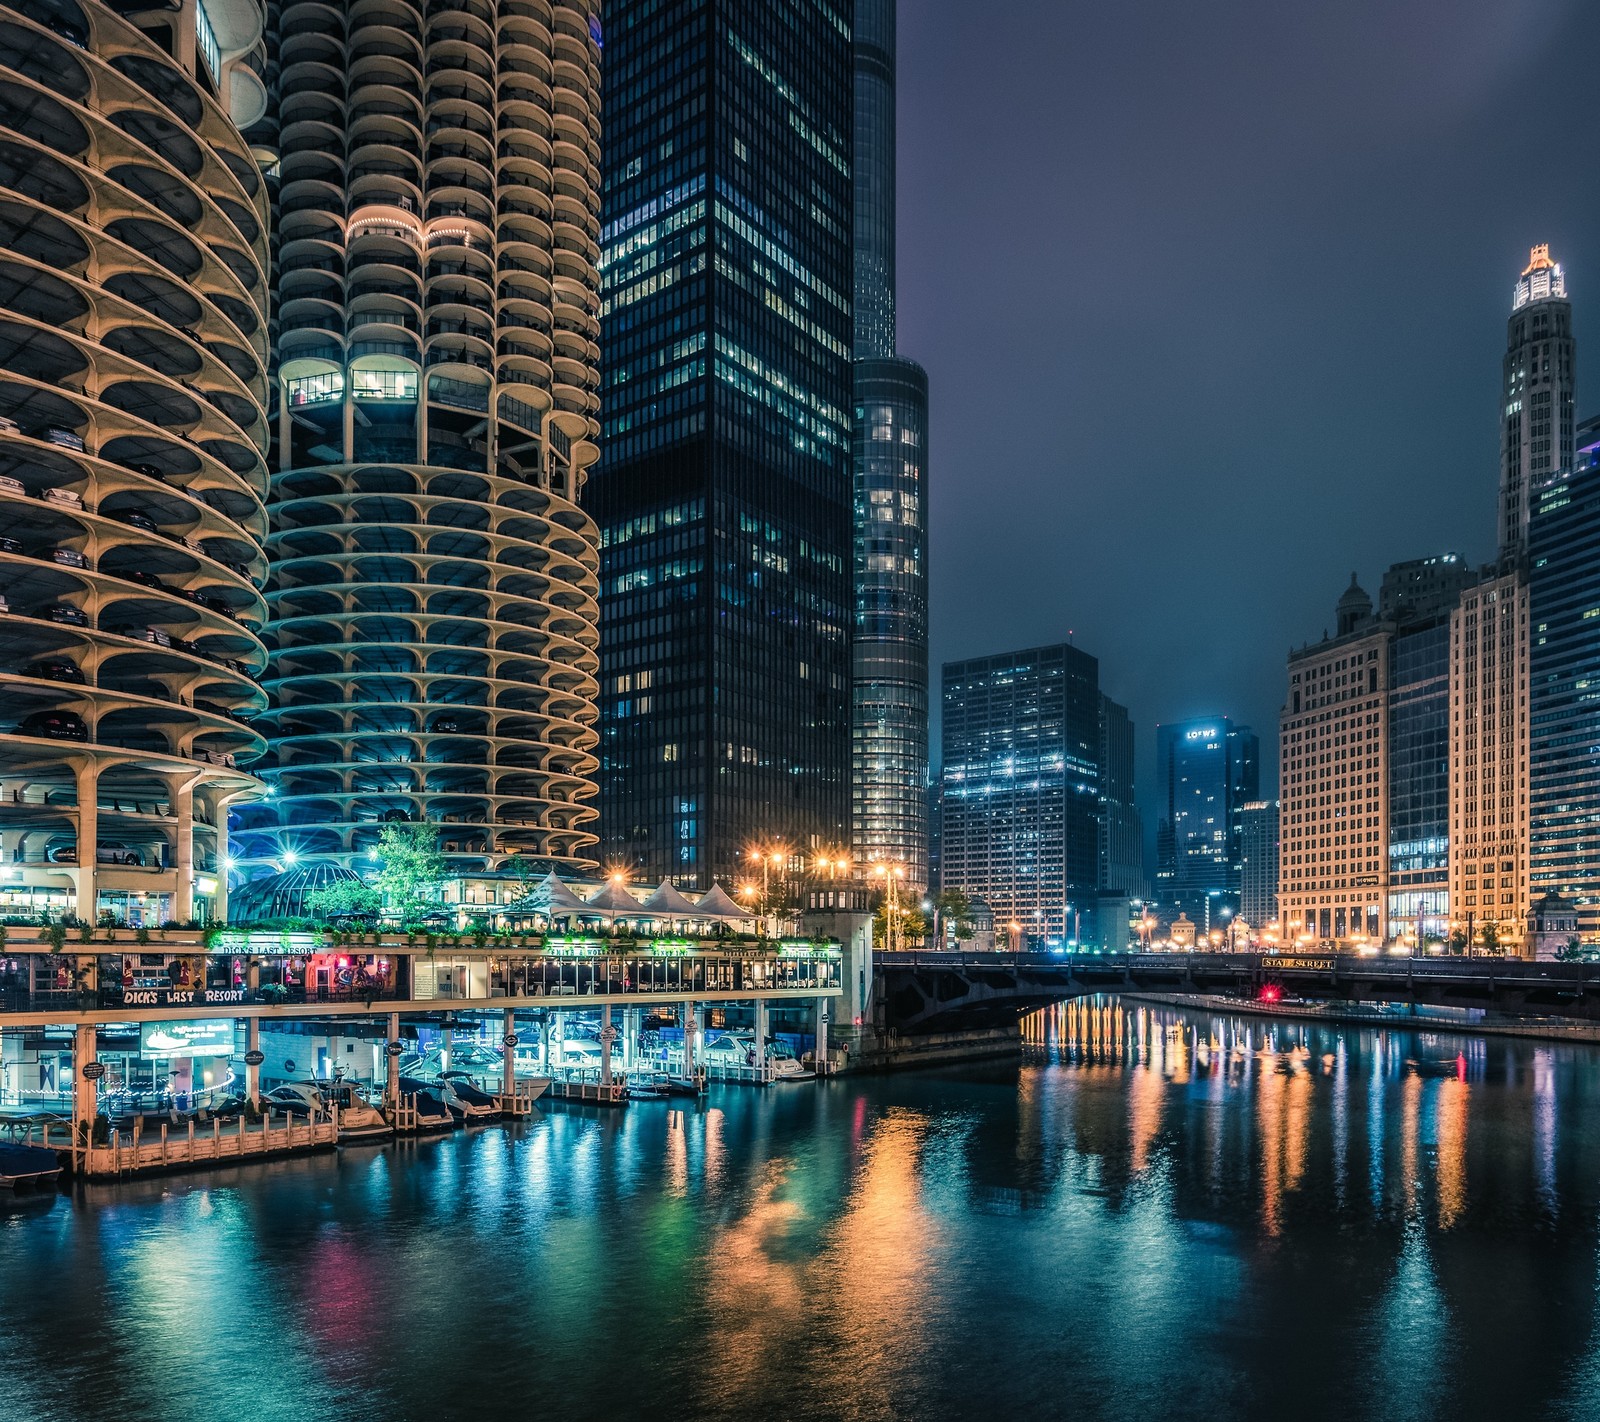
(891, 874)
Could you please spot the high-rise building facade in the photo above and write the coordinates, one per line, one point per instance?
(1207, 769)
(889, 698)
(1020, 810)
(134, 348)
(724, 492)
(433, 588)
(1489, 748)
(1536, 395)
(1417, 599)
(1258, 865)
(1333, 842)
(1564, 754)
(1121, 830)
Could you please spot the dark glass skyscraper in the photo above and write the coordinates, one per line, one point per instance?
(1418, 598)
(1020, 823)
(889, 735)
(723, 492)
(1564, 759)
(1207, 770)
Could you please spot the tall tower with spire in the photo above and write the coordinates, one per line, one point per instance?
(889, 714)
(1536, 395)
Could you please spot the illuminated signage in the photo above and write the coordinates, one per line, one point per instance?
(187, 1039)
(1204, 733)
(235, 940)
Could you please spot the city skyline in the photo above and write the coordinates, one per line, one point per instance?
(1288, 285)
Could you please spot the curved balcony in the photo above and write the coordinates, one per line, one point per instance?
(132, 431)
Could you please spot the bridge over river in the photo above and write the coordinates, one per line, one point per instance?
(921, 993)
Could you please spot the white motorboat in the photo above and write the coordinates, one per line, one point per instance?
(466, 1101)
(359, 1119)
(790, 1069)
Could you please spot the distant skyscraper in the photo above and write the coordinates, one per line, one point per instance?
(1536, 390)
(1564, 760)
(1206, 771)
(724, 488)
(1489, 747)
(1258, 864)
(1121, 832)
(1418, 598)
(1333, 748)
(889, 719)
(1020, 817)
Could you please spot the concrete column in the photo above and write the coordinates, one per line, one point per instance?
(607, 1031)
(252, 1041)
(449, 1047)
(88, 889)
(820, 1051)
(631, 1021)
(508, 1062)
(391, 1083)
(544, 1044)
(761, 1032)
(182, 792)
(85, 1096)
(691, 1026)
(219, 813)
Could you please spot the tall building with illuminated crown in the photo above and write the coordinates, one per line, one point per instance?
(889, 716)
(1536, 394)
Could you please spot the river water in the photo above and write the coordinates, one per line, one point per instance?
(1158, 1214)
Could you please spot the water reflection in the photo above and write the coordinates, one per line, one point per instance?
(1158, 1213)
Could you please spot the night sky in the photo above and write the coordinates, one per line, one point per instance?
(1212, 298)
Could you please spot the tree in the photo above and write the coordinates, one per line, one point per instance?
(413, 868)
(1571, 951)
(908, 924)
(954, 910)
(344, 899)
(1490, 937)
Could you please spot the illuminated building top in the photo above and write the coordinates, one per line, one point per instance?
(1541, 280)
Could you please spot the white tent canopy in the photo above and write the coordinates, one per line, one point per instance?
(715, 903)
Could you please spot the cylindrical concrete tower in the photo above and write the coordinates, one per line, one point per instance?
(433, 585)
(133, 382)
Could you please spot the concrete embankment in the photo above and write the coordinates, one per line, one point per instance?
(1419, 1019)
(869, 1052)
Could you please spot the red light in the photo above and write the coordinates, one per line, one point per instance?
(1270, 992)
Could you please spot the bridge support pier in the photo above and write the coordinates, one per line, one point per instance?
(761, 1033)
(391, 1082)
(85, 1094)
(691, 1028)
(252, 1073)
(820, 1050)
(508, 1053)
(607, 1033)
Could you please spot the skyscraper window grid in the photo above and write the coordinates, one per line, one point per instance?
(725, 377)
